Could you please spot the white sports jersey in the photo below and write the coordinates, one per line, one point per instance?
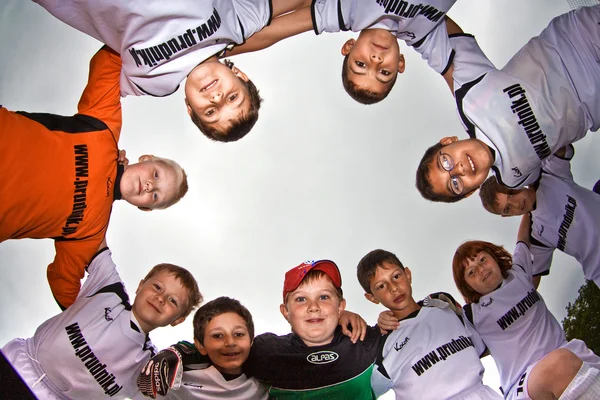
(94, 349)
(409, 21)
(566, 217)
(208, 383)
(543, 99)
(430, 356)
(514, 322)
(160, 43)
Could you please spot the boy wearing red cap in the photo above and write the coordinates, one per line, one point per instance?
(316, 360)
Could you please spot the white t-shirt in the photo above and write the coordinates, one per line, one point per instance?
(412, 22)
(161, 42)
(567, 217)
(543, 99)
(514, 322)
(94, 348)
(207, 383)
(430, 356)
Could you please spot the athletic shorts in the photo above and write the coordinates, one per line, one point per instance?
(478, 392)
(30, 371)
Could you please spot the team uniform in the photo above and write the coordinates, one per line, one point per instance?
(518, 329)
(161, 45)
(339, 370)
(59, 175)
(421, 359)
(206, 383)
(543, 99)
(566, 216)
(419, 24)
(93, 350)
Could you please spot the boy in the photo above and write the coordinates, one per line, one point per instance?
(543, 99)
(564, 215)
(316, 360)
(223, 331)
(373, 61)
(431, 355)
(163, 45)
(96, 347)
(60, 176)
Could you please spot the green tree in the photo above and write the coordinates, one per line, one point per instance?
(583, 317)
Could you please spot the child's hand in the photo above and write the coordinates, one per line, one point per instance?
(387, 322)
(358, 326)
(122, 159)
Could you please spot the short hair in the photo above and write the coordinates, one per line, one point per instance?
(468, 251)
(361, 95)
(314, 275)
(239, 128)
(183, 186)
(216, 307)
(488, 193)
(187, 280)
(422, 180)
(367, 266)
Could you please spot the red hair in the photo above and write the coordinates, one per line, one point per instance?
(468, 251)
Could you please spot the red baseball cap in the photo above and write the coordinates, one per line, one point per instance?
(294, 276)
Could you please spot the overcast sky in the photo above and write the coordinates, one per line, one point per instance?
(320, 176)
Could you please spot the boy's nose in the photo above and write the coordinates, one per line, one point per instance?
(376, 57)
(149, 186)
(216, 96)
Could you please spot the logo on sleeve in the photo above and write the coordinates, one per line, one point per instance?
(517, 172)
(322, 357)
(400, 346)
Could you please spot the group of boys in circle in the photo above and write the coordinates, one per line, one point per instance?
(521, 121)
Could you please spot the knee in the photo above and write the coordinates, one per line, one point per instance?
(553, 373)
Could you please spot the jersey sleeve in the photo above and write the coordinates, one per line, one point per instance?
(469, 62)
(325, 17)
(380, 382)
(560, 166)
(102, 272)
(66, 271)
(253, 15)
(522, 259)
(436, 49)
(542, 259)
(101, 97)
(472, 332)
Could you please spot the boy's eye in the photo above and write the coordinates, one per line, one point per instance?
(397, 276)
(456, 187)
(233, 97)
(155, 196)
(209, 112)
(470, 272)
(385, 72)
(324, 297)
(217, 335)
(381, 286)
(172, 300)
(299, 299)
(360, 64)
(240, 334)
(155, 174)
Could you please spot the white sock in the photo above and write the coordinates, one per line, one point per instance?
(584, 386)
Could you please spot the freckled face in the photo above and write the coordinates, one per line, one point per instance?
(313, 311)
(482, 273)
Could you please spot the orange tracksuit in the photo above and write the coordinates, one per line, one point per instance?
(58, 175)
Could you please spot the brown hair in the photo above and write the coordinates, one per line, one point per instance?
(468, 251)
(361, 95)
(216, 307)
(312, 276)
(367, 266)
(187, 280)
(488, 193)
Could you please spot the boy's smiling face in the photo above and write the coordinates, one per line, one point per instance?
(482, 273)
(151, 183)
(160, 301)
(391, 286)
(518, 203)
(216, 94)
(374, 60)
(226, 342)
(472, 162)
(313, 311)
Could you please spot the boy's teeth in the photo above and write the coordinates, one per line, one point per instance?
(471, 163)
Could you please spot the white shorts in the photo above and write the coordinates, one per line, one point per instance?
(16, 353)
(479, 392)
(576, 346)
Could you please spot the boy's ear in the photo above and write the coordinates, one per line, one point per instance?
(200, 347)
(177, 321)
(284, 311)
(188, 107)
(146, 157)
(448, 140)
(341, 307)
(401, 64)
(408, 274)
(139, 286)
(346, 47)
(371, 298)
(145, 209)
(237, 72)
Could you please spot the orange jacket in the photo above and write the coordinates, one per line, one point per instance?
(58, 175)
